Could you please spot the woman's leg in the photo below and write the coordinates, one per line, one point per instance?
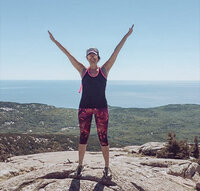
(81, 152)
(85, 118)
(105, 152)
(101, 118)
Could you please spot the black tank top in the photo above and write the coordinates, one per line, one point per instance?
(93, 94)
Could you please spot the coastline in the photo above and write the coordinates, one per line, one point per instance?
(127, 94)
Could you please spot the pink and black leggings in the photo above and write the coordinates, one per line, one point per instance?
(85, 119)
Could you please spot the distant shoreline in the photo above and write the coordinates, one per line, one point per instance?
(109, 106)
(198, 81)
(126, 94)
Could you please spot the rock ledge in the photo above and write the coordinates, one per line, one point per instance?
(54, 171)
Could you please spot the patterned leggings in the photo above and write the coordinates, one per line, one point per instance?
(85, 119)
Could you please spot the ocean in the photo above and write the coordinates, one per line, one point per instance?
(128, 94)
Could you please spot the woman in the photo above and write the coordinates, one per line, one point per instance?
(93, 100)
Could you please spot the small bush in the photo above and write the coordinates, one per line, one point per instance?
(174, 149)
(195, 148)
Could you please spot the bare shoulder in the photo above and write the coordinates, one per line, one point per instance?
(103, 69)
(82, 73)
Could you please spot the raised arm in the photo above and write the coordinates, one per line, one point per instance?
(113, 57)
(74, 62)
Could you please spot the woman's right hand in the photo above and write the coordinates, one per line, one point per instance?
(51, 37)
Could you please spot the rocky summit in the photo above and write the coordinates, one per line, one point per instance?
(54, 171)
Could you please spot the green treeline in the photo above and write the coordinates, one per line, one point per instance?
(127, 126)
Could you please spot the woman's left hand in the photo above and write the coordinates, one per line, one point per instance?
(130, 30)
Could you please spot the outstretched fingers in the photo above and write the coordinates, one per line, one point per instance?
(49, 33)
(130, 30)
(132, 26)
(51, 36)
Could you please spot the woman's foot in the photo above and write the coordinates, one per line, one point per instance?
(107, 173)
(79, 170)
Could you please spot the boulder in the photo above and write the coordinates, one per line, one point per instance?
(132, 149)
(178, 169)
(191, 170)
(151, 148)
(185, 170)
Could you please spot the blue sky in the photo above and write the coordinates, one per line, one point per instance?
(164, 45)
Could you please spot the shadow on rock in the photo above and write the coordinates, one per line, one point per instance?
(101, 182)
(107, 182)
(99, 187)
(57, 175)
(138, 187)
(75, 185)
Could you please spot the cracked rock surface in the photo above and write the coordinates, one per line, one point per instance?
(54, 171)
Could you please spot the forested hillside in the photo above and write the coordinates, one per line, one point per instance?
(127, 126)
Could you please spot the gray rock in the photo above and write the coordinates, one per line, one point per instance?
(54, 171)
(185, 170)
(198, 169)
(178, 169)
(132, 149)
(198, 186)
(191, 170)
(151, 148)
